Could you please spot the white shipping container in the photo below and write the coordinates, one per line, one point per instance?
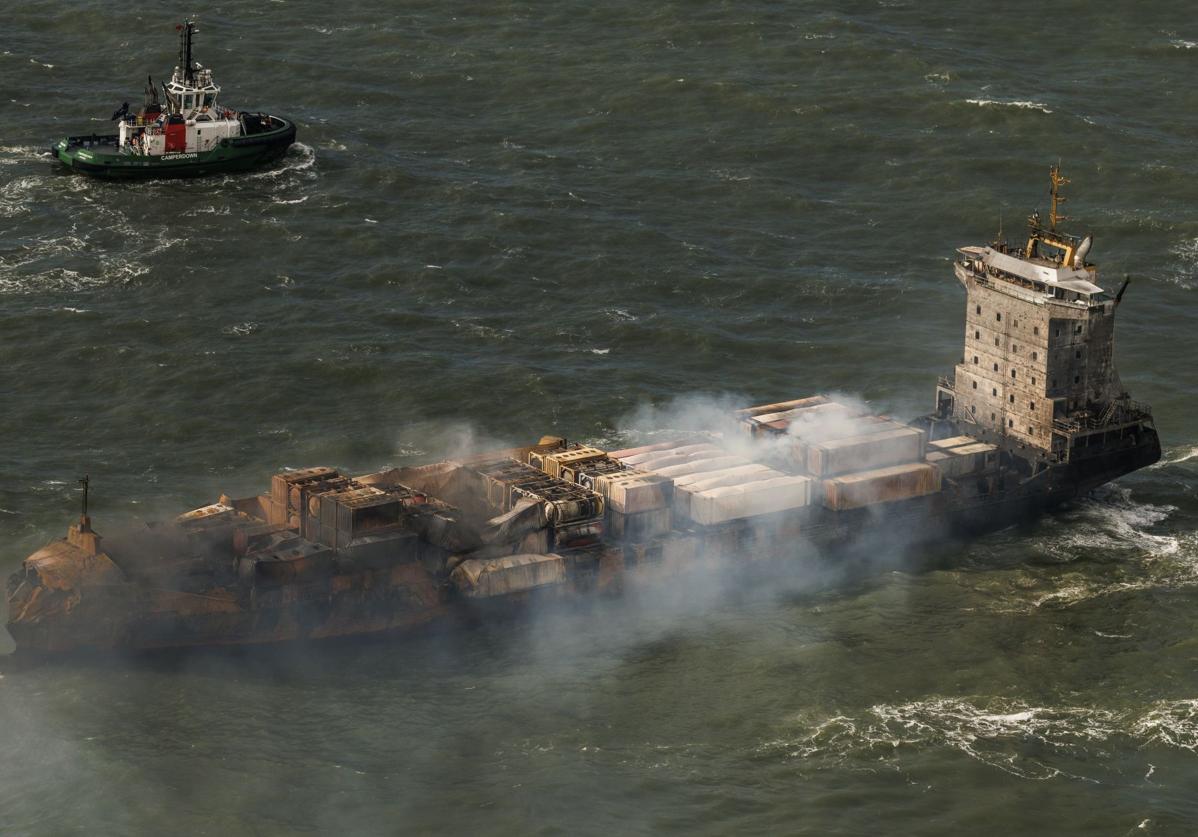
(733, 502)
(696, 466)
(954, 442)
(863, 453)
(640, 495)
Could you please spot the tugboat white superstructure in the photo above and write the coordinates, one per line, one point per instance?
(188, 134)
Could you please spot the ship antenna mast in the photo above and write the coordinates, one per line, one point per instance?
(1058, 180)
(85, 482)
(185, 32)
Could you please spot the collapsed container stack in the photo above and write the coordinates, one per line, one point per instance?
(573, 514)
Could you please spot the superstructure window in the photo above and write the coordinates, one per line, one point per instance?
(1010, 422)
(975, 384)
(995, 341)
(1031, 405)
(1079, 330)
(1035, 355)
(1077, 379)
(998, 316)
(1012, 373)
(1011, 398)
(996, 367)
(975, 359)
(1030, 431)
(1036, 330)
(1078, 353)
(979, 309)
(977, 335)
(973, 408)
(994, 391)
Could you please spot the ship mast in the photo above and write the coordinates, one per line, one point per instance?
(1058, 180)
(186, 31)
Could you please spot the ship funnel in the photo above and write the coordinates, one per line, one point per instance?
(1083, 250)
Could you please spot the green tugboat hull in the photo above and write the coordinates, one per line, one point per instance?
(101, 156)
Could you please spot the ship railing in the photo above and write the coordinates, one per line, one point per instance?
(1122, 411)
(946, 382)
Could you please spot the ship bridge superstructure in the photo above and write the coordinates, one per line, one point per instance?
(192, 122)
(1038, 364)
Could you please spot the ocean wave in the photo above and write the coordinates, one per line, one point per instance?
(1016, 737)
(1185, 273)
(1170, 723)
(1024, 104)
(993, 732)
(299, 159)
(1113, 520)
(1175, 459)
(13, 154)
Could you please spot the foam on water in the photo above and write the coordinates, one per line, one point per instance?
(1023, 104)
(1022, 739)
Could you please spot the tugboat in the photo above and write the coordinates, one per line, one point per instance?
(190, 135)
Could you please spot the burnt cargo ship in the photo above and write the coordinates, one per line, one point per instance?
(1033, 415)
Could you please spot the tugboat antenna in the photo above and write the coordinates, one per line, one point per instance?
(85, 482)
(186, 30)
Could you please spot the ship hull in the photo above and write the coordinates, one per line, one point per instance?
(52, 611)
(100, 156)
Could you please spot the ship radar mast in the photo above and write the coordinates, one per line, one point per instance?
(1051, 245)
(1058, 180)
(192, 92)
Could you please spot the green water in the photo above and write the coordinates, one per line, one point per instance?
(508, 220)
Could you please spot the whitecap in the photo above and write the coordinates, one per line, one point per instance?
(1025, 104)
(1172, 723)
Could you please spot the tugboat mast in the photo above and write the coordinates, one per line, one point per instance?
(186, 31)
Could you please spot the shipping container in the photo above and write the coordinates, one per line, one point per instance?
(552, 463)
(631, 493)
(883, 485)
(699, 466)
(642, 449)
(954, 442)
(482, 578)
(639, 525)
(865, 453)
(734, 502)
